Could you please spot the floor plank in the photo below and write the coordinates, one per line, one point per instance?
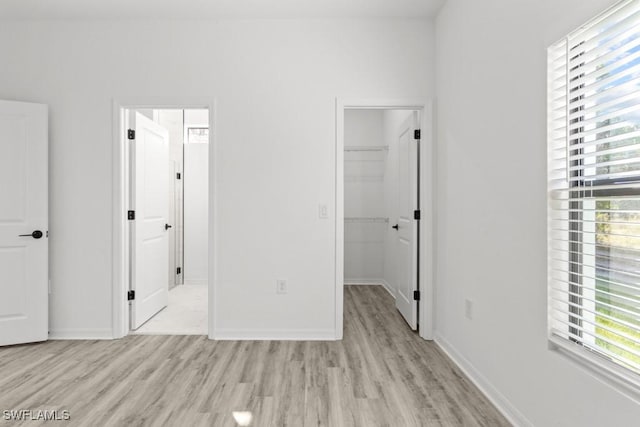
(380, 374)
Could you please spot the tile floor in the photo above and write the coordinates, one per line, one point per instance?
(186, 313)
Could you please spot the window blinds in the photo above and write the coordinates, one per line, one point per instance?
(594, 187)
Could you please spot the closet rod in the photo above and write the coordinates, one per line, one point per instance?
(366, 219)
(367, 148)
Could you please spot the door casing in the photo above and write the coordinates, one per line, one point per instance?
(121, 249)
(426, 304)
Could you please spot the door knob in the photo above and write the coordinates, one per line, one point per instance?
(36, 234)
(167, 226)
(396, 227)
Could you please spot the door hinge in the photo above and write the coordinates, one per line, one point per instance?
(131, 215)
(131, 295)
(131, 134)
(416, 134)
(416, 295)
(178, 175)
(179, 270)
(416, 214)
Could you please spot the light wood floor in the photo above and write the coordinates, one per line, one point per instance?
(381, 374)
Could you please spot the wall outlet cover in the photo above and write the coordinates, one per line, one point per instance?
(281, 286)
(468, 309)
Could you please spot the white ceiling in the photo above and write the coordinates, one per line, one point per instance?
(222, 9)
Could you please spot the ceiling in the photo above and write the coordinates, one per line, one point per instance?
(216, 9)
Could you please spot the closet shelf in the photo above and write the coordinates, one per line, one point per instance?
(367, 148)
(366, 219)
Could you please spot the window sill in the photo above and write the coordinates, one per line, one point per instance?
(598, 367)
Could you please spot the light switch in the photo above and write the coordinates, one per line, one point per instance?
(323, 211)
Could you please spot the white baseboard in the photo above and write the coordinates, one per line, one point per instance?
(499, 400)
(389, 288)
(81, 334)
(275, 335)
(364, 282)
(369, 282)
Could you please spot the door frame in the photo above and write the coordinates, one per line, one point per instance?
(426, 305)
(120, 235)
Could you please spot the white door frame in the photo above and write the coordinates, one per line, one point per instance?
(427, 173)
(120, 306)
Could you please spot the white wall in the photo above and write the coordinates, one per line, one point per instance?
(275, 83)
(194, 117)
(491, 209)
(196, 203)
(364, 197)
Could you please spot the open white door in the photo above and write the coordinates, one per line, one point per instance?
(24, 251)
(150, 194)
(407, 231)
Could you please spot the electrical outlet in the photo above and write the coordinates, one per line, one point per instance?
(281, 286)
(323, 211)
(468, 309)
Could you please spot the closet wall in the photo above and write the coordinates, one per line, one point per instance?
(172, 121)
(196, 199)
(364, 205)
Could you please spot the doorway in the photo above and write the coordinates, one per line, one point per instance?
(168, 185)
(383, 205)
(163, 251)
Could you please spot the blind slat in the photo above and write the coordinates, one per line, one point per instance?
(594, 313)
(584, 319)
(608, 340)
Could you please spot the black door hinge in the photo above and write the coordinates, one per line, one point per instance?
(131, 215)
(179, 270)
(178, 175)
(416, 214)
(131, 295)
(131, 134)
(416, 295)
(416, 134)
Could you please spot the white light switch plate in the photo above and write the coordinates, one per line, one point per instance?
(323, 211)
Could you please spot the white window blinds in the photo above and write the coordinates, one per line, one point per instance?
(594, 189)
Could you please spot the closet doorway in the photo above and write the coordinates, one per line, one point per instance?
(384, 209)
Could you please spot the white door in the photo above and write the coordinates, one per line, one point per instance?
(24, 250)
(407, 231)
(150, 194)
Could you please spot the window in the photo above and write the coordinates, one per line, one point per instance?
(198, 135)
(594, 192)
